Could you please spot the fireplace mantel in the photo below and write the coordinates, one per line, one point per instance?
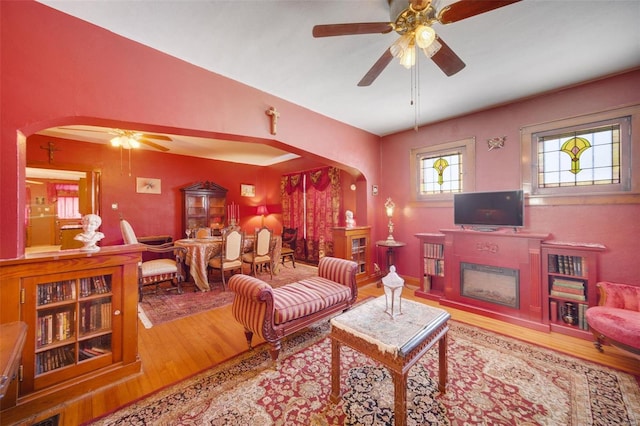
(519, 251)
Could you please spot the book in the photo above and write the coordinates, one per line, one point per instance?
(570, 296)
(568, 283)
(571, 290)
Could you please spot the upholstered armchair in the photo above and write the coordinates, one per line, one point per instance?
(289, 237)
(261, 253)
(157, 271)
(616, 319)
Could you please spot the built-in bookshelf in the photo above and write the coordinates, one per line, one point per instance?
(570, 273)
(432, 265)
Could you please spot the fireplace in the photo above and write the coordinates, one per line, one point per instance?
(491, 284)
(496, 274)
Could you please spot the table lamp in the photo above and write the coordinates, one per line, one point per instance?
(389, 206)
(262, 211)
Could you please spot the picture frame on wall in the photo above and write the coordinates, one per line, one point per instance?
(247, 190)
(148, 185)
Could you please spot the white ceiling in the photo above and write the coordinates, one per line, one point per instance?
(510, 53)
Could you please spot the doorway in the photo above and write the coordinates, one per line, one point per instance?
(56, 200)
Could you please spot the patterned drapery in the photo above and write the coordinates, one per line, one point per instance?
(311, 202)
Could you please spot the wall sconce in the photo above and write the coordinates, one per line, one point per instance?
(389, 206)
(262, 211)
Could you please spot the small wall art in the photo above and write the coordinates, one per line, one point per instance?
(247, 190)
(148, 185)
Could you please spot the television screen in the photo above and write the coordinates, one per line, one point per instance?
(489, 209)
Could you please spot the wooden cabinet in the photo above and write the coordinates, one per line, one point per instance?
(354, 244)
(81, 315)
(204, 206)
(569, 277)
(431, 266)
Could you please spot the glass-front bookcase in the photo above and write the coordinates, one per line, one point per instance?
(70, 318)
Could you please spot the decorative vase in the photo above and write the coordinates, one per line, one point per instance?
(569, 315)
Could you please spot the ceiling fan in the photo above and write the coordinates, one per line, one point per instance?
(128, 139)
(414, 25)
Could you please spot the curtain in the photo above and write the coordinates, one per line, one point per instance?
(66, 198)
(311, 202)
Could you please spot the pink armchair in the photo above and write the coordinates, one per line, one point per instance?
(616, 319)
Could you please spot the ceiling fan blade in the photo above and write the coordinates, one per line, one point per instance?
(154, 136)
(376, 69)
(467, 8)
(153, 145)
(447, 60)
(331, 30)
(74, 129)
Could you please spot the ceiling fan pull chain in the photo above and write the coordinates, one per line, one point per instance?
(415, 94)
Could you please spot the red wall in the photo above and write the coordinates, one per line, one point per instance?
(615, 226)
(58, 70)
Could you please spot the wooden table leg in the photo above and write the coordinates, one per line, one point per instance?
(335, 371)
(400, 398)
(443, 367)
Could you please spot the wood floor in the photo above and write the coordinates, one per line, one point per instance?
(179, 349)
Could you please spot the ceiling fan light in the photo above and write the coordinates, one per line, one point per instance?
(116, 141)
(425, 36)
(400, 46)
(409, 57)
(432, 49)
(133, 143)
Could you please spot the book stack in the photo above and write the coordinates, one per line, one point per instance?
(568, 265)
(434, 259)
(568, 289)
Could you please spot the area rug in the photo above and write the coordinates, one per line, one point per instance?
(493, 380)
(163, 306)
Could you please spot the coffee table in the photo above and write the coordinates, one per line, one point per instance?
(397, 343)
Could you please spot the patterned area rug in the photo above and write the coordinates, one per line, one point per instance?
(166, 306)
(493, 380)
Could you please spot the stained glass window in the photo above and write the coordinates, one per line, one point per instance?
(441, 174)
(584, 157)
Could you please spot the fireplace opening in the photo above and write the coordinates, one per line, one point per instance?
(491, 284)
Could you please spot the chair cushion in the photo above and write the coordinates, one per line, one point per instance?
(234, 264)
(332, 292)
(620, 325)
(159, 267)
(294, 301)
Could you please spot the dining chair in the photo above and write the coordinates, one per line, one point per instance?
(157, 271)
(230, 257)
(261, 254)
(289, 237)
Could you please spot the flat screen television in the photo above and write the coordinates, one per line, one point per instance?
(489, 210)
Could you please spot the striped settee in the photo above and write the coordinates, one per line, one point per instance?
(273, 313)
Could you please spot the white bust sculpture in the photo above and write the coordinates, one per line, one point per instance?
(349, 219)
(90, 237)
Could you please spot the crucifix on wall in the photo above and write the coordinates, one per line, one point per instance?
(51, 148)
(274, 114)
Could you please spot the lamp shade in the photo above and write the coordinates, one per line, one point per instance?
(262, 211)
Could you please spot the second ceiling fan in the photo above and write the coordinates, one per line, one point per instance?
(414, 25)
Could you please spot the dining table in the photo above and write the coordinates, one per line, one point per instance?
(201, 250)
